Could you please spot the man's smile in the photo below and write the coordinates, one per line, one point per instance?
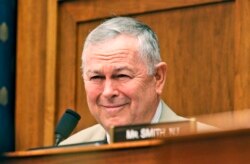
(113, 108)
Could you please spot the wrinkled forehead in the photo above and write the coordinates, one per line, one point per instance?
(112, 48)
(122, 40)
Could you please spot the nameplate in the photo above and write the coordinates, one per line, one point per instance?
(150, 131)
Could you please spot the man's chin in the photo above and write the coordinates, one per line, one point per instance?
(114, 124)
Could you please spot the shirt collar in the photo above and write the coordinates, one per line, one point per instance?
(157, 115)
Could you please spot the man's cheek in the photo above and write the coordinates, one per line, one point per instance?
(91, 92)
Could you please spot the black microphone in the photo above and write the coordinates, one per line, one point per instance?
(66, 125)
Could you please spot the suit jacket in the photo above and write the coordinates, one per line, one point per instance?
(97, 132)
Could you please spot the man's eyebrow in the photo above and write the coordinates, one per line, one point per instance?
(121, 68)
(116, 70)
(89, 72)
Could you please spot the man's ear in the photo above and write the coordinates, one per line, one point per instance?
(160, 76)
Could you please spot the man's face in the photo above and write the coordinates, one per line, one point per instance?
(119, 90)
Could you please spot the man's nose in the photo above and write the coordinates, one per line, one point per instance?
(110, 89)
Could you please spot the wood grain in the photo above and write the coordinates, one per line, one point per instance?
(50, 76)
(30, 74)
(66, 63)
(198, 46)
(242, 56)
(83, 11)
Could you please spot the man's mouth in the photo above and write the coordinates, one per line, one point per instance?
(113, 109)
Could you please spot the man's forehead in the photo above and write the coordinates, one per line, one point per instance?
(113, 44)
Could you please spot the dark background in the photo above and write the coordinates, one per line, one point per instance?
(7, 74)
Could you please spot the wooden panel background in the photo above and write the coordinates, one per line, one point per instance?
(204, 42)
(35, 74)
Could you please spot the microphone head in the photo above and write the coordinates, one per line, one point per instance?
(67, 124)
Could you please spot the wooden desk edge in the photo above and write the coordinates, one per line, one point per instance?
(127, 145)
(89, 148)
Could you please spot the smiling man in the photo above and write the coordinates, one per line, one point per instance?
(124, 77)
(119, 88)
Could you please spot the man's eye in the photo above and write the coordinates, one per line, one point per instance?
(121, 76)
(96, 77)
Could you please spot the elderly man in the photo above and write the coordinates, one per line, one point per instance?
(124, 78)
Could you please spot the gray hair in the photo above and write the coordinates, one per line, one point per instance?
(148, 42)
